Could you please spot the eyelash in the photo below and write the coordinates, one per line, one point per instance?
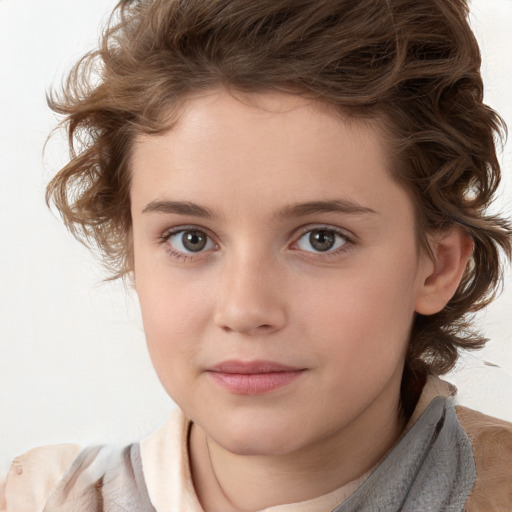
(178, 255)
(322, 256)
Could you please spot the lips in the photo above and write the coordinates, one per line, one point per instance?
(252, 367)
(253, 377)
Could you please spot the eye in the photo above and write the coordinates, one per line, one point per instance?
(189, 241)
(321, 240)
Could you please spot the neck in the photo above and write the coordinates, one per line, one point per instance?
(231, 482)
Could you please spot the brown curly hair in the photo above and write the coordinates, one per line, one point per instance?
(413, 65)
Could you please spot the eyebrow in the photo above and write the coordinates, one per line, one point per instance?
(334, 205)
(294, 210)
(179, 208)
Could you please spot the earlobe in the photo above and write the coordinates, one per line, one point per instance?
(451, 251)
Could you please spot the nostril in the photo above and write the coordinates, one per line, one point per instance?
(263, 327)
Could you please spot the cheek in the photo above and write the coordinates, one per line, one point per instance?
(172, 302)
(362, 317)
(173, 316)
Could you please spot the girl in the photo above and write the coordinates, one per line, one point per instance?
(297, 191)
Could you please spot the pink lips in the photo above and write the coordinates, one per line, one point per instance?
(254, 377)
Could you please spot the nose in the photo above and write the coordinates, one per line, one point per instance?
(250, 297)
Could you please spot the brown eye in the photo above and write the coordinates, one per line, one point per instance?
(189, 241)
(194, 241)
(321, 240)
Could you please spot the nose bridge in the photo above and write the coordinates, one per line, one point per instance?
(250, 294)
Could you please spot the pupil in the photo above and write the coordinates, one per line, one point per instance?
(194, 240)
(322, 240)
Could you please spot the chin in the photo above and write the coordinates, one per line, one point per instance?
(256, 447)
(268, 439)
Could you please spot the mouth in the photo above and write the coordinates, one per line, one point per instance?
(253, 377)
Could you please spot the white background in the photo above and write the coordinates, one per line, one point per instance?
(73, 365)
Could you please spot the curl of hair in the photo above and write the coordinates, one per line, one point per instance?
(413, 65)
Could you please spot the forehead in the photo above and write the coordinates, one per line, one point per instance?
(302, 117)
(267, 149)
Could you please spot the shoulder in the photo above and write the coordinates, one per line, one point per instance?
(67, 477)
(33, 476)
(490, 437)
(491, 440)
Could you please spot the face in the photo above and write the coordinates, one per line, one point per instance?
(277, 270)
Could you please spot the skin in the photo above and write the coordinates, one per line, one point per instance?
(260, 291)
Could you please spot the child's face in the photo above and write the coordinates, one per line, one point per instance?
(274, 236)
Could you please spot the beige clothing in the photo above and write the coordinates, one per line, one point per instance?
(35, 474)
(166, 468)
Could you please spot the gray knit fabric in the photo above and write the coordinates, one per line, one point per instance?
(432, 468)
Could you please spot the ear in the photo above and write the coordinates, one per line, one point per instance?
(444, 269)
